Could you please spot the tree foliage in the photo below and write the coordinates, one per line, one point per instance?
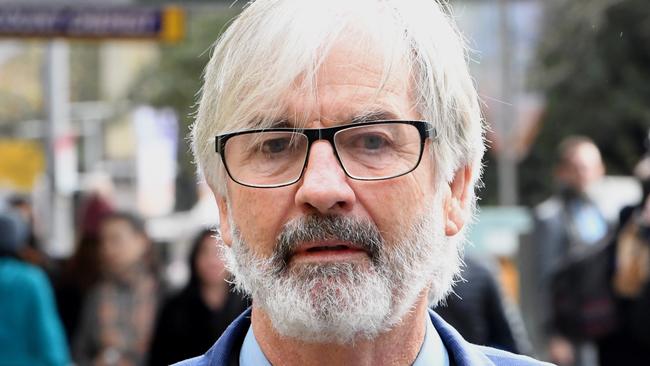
(594, 71)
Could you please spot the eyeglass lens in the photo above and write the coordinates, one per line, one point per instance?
(377, 151)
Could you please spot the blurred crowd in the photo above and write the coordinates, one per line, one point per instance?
(594, 288)
(109, 303)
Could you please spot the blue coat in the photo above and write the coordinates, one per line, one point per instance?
(461, 352)
(31, 332)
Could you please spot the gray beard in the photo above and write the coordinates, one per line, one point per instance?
(341, 302)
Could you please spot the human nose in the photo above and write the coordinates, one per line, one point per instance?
(324, 186)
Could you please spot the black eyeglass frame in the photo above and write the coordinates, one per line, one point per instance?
(425, 129)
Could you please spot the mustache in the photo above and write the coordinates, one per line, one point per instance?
(362, 233)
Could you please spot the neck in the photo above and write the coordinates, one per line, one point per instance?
(398, 346)
(214, 295)
(570, 193)
(128, 274)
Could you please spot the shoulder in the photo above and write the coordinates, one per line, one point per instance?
(177, 299)
(196, 361)
(226, 346)
(178, 308)
(503, 358)
(468, 354)
(549, 209)
(24, 275)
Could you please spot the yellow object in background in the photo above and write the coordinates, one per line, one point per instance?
(509, 278)
(173, 24)
(21, 163)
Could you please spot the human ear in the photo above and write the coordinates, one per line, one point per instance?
(224, 221)
(457, 201)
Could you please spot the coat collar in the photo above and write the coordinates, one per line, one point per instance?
(225, 351)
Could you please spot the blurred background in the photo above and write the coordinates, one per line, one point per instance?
(96, 98)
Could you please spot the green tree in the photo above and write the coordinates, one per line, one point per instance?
(174, 81)
(593, 70)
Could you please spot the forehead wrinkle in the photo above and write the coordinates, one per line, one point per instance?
(303, 108)
(347, 107)
(348, 84)
(363, 74)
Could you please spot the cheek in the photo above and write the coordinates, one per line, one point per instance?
(111, 247)
(259, 214)
(105, 252)
(394, 204)
(207, 267)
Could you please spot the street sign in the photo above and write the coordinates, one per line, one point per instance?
(85, 22)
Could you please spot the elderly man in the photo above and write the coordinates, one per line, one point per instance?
(348, 142)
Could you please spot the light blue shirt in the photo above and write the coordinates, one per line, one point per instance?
(590, 224)
(251, 354)
(432, 352)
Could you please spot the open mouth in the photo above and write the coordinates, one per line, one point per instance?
(330, 248)
(324, 251)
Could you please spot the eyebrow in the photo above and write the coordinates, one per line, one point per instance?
(259, 124)
(373, 115)
(281, 123)
(366, 116)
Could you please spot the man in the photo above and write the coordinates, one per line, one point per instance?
(566, 225)
(349, 140)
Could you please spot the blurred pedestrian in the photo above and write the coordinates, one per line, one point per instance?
(119, 311)
(479, 310)
(81, 271)
(92, 209)
(629, 343)
(32, 252)
(30, 329)
(192, 320)
(567, 223)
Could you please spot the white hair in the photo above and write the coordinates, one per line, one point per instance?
(275, 46)
(352, 302)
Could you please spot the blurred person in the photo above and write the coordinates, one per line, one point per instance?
(32, 252)
(80, 272)
(629, 343)
(348, 144)
(95, 199)
(92, 209)
(30, 329)
(192, 320)
(566, 225)
(118, 313)
(479, 310)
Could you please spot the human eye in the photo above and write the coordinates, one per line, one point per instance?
(372, 141)
(366, 142)
(269, 146)
(275, 145)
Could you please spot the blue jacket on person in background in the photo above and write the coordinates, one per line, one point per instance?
(31, 332)
(225, 352)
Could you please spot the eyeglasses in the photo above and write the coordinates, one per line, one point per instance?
(277, 157)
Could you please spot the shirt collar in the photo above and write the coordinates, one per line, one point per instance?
(251, 354)
(432, 352)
